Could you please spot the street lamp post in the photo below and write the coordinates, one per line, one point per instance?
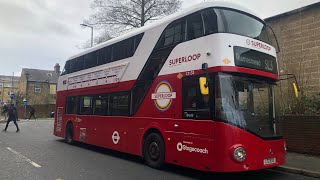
(86, 25)
(25, 101)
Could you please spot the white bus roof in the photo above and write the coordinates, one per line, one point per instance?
(168, 19)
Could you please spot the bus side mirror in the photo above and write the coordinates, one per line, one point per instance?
(204, 89)
(295, 90)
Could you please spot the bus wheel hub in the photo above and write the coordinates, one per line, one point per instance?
(154, 151)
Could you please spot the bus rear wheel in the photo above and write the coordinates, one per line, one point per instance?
(69, 134)
(154, 151)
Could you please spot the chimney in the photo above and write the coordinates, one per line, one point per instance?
(57, 68)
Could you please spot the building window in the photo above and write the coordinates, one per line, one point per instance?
(9, 85)
(1, 84)
(37, 88)
(53, 89)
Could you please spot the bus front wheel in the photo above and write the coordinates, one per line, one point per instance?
(69, 134)
(154, 151)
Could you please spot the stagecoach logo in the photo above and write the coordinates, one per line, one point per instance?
(115, 137)
(163, 96)
(183, 147)
(258, 45)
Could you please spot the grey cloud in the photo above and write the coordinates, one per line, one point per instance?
(15, 18)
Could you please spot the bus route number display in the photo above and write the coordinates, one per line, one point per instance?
(249, 58)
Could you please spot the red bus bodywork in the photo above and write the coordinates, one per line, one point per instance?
(208, 144)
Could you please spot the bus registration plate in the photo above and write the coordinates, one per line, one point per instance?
(269, 161)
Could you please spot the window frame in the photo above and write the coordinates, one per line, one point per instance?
(199, 13)
(74, 109)
(103, 55)
(111, 103)
(88, 110)
(197, 111)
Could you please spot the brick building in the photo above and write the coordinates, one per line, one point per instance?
(8, 84)
(298, 33)
(39, 86)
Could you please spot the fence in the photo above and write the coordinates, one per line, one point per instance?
(302, 133)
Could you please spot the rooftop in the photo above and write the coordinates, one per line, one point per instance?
(314, 5)
(9, 78)
(38, 75)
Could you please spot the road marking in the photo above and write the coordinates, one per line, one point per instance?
(23, 157)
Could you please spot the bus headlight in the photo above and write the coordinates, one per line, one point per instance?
(239, 154)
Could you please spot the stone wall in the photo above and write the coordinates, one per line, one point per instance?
(42, 111)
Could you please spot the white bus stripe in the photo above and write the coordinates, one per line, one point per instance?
(23, 157)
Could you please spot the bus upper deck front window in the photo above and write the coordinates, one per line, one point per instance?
(240, 23)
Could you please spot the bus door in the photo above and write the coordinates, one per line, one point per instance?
(192, 136)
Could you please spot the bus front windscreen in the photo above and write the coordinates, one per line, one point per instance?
(245, 102)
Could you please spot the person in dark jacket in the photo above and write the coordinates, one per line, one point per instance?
(12, 116)
(32, 113)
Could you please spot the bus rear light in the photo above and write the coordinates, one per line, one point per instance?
(239, 154)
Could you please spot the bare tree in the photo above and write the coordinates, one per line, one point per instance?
(117, 16)
(102, 37)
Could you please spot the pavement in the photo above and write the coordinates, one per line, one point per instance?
(302, 164)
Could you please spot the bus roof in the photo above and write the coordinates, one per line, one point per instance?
(165, 20)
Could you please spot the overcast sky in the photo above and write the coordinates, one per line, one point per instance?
(39, 33)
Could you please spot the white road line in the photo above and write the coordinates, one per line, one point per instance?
(23, 157)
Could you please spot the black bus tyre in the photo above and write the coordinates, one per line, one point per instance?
(154, 151)
(69, 134)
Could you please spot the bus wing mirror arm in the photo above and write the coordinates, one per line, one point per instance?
(296, 87)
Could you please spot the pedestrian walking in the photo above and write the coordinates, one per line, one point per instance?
(12, 116)
(5, 111)
(32, 113)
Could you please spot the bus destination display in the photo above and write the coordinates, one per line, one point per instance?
(249, 58)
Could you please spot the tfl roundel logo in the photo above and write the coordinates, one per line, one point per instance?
(163, 96)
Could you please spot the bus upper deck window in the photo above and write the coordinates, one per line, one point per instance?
(66, 69)
(194, 26)
(210, 21)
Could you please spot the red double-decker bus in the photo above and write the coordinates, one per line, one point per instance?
(194, 89)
